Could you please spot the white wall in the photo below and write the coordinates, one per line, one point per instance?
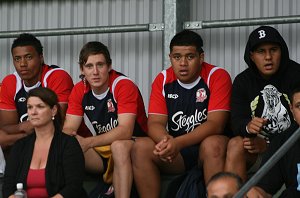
(139, 55)
(225, 46)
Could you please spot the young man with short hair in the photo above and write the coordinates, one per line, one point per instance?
(112, 107)
(260, 103)
(188, 110)
(31, 72)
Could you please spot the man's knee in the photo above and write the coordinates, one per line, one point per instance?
(235, 146)
(141, 149)
(213, 146)
(120, 150)
(121, 147)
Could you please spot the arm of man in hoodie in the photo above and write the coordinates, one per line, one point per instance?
(241, 113)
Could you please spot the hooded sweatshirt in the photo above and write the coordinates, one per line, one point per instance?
(255, 96)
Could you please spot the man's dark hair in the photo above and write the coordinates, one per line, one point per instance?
(93, 48)
(26, 39)
(221, 175)
(187, 38)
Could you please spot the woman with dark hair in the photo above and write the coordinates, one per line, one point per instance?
(48, 162)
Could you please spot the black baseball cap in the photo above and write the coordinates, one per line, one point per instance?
(263, 34)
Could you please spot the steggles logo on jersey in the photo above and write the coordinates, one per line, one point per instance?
(89, 108)
(110, 106)
(22, 99)
(189, 122)
(201, 95)
(105, 128)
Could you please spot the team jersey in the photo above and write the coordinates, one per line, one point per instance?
(187, 105)
(14, 95)
(101, 114)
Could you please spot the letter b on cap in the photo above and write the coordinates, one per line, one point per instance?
(261, 34)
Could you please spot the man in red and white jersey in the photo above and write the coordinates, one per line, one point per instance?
(112, 108)
(188, 110)
(31, 72)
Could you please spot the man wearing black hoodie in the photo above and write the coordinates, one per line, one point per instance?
(260, 103)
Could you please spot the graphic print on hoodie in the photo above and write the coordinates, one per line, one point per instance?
(255, 96)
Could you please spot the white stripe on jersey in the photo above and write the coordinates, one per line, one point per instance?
(89, 124)
(48, 74)
(210, 73)
(118, 79)
(18, 85)
(164, 72)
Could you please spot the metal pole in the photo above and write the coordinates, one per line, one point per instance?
(175, 13)
(85, 30)
(269, 164)
(192, 25)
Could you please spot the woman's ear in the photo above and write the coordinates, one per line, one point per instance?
(54, 110)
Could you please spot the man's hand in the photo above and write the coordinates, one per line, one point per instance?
(160, 146)
(167, 149)
(257, 192)
(84, 142)
(256, 124)
(255, 144)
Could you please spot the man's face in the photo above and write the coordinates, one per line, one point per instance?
(222, 188)
(186, 62)
(96, 72)
(267, 57)
(295, 107)
(28, 64)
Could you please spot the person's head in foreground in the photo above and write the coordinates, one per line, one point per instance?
(223, 185)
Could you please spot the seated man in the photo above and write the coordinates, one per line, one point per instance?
(31, 72)
(223, 185)
(113, 110)
(259, 103)
(286, 170)
(189, 102)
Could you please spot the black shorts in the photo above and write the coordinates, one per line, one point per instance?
(190, 156)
